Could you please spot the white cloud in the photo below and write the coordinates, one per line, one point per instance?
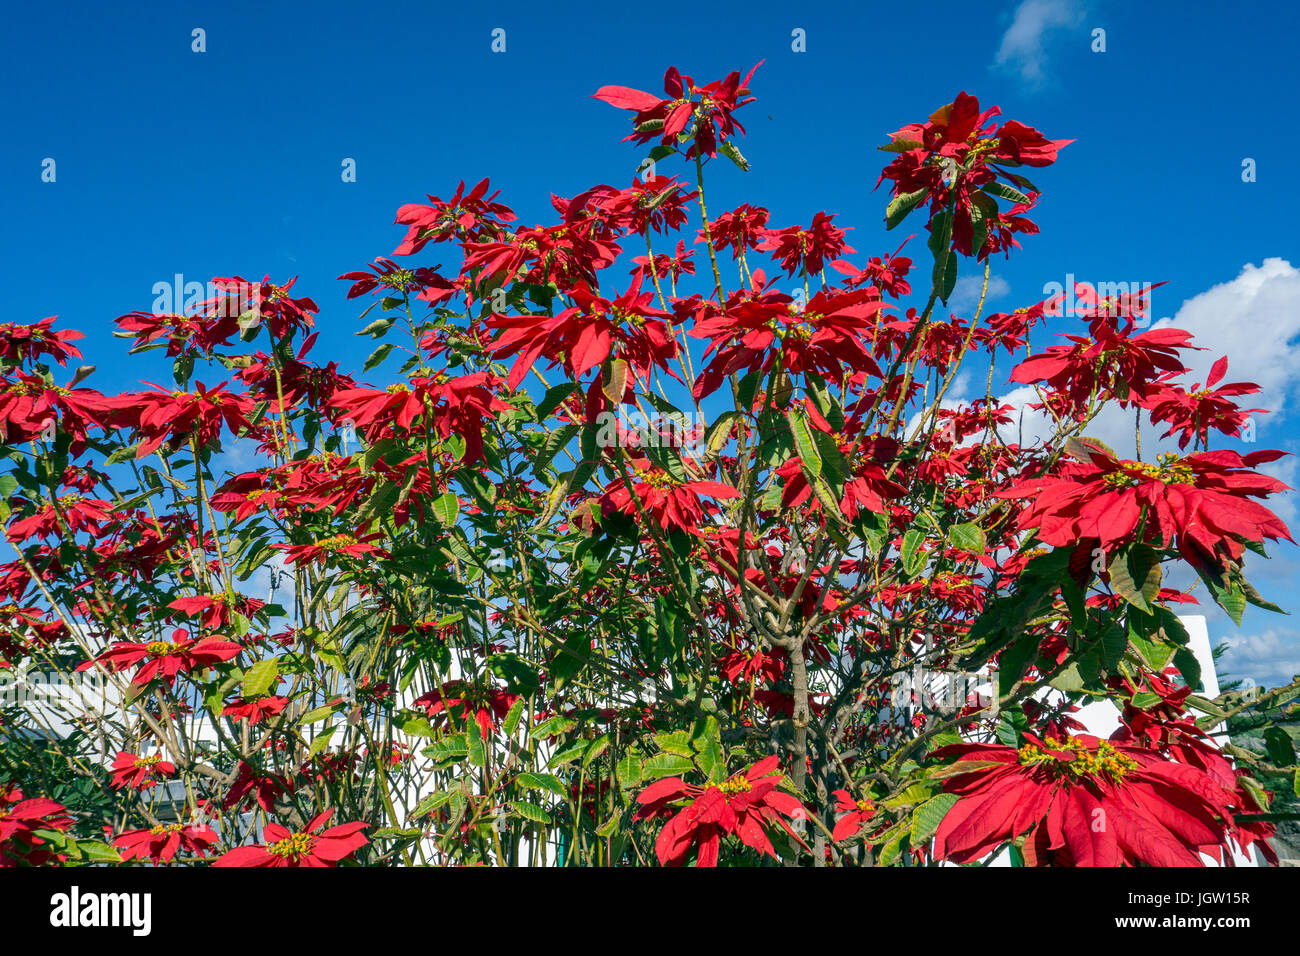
(966, 293)
(1255, 320)
(1023, 46)
(1270, 658)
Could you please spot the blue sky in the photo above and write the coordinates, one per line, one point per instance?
(228, 161)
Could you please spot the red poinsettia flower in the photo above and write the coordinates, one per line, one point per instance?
(216, 610)
(77, 513)
(856, 813)
(311, 847)
(1081, 801)
(255, 709)
(1193, 412)
(704, 112)
(485, 705)
(587, 334)
(1201, 501)
(139, 773)
(744, 805)
(270, 304)
(345, 545)
(20, 818)
(161, 843)
(742, 228)
(27, 343)
(177, 418)
(808, 250)
(31, 407)
(667, 501)
(759, 326)
(451, 406)
(388, 276)
(265, 788)
(165, 659)
(1111, 362)
(464, 217)
(955, 161)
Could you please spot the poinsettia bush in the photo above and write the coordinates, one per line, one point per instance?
(653, 535)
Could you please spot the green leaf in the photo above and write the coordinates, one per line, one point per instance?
(913, 557)
(1135, 575)
(555, 443)
(552, 728)
(530, 811)
(677, 742)
(475, 750)
(515, 714)
(321, 740)
(719, 433)
(446, 508)
(554, 396)
(809, 456)
(666, 765)
(96, 852)
(927, 817)
(967, 537)
(629, 771)
(415, 726)
(542, 781)
(949, 277)
(260, 678)
(319, 714)
(1278, 745)
(901, 205)
(1003, 191)
(729, 149)
(377, 356)
(1189, 667)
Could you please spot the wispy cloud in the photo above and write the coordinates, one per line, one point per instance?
(966, 293)
(1024, 45)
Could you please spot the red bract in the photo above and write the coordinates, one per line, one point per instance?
(255, 709)
(855, 813)
(587, 334)
(666, 501)
(264, 788)
(806, 251)
(1081, 802)
(346, 545)
(268, 303)
(30, 405)
(216, 610)
(446, 406)
(387, 276)
(1192, 413)
(760, 328)
(703, 113)
(485, 705)
(745, 805)
(177, 418)
(26, 343)
(742, 228)
(161, 843)
(19, 820)
(73, 512)
(1200, 500)
(464, 217)
(311, 847)
(166, 659)
(139, 773)
(955, 161)
(1110, 363)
